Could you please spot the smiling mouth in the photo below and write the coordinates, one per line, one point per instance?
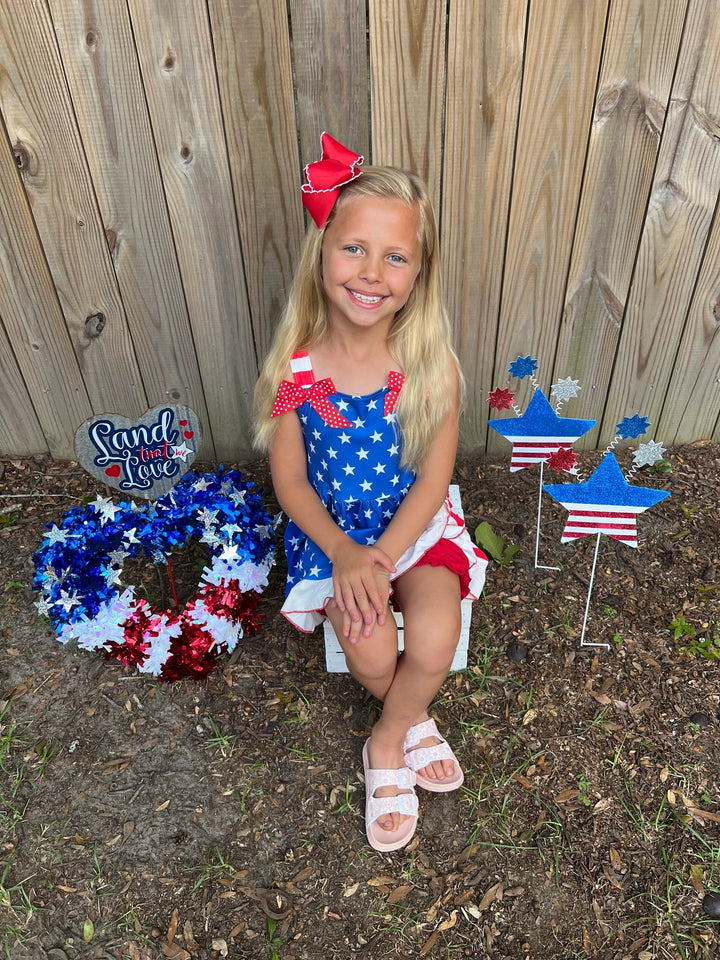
(365, 298)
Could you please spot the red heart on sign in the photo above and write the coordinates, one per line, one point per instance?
(183, 423)
(188, 434)
(113, 471)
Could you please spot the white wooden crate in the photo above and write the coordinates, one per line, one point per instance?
(335, 658)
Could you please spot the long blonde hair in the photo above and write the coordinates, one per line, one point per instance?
(419, 338)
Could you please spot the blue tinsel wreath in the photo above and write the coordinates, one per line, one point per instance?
(78, 574)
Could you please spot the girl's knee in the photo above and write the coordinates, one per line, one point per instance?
(432, 644)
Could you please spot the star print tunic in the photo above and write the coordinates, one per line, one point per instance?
(353, 447)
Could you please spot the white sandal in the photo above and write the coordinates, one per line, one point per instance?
(405, 803)
(418, 757)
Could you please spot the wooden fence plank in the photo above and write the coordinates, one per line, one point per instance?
(684, 196)
(485, 44)
(38, 337)
(175, 51)
(561, 62)
(638, 64)
(331, 74)
(39, 118)
(252, 51)
(407, 75)
(102, 71)
(20, 430)
(692, 403)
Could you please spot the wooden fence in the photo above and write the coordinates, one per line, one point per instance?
(150, 210)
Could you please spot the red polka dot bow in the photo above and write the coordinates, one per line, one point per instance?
(291, 396)
(395, 381)
(324, 178)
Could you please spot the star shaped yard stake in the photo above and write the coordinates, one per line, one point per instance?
(539, 432)
(604, 504)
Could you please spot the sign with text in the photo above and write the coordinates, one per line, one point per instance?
(144, 457)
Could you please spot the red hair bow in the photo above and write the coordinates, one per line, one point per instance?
(324, 178)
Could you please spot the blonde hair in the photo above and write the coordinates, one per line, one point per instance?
(419, 338)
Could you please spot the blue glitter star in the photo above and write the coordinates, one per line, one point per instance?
(523, 367)
(633, 426)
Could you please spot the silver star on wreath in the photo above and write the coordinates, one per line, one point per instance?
(566, 389)
(56, 535)
(105, 508)
(648, 453)
(42, 607)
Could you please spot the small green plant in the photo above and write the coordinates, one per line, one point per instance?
(680, 627)
(9, 519)
(275, 941)
(584, 788)
(224, 742)
(659, 467)
(494, 544)
(707, 647)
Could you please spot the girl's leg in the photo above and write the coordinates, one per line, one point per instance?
(430, 600)
(372, 661)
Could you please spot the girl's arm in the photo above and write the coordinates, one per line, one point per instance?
(356, 590)
(430, 488)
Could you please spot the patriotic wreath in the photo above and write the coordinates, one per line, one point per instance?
(79, 566)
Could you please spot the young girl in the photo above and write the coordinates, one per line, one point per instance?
(358, 404)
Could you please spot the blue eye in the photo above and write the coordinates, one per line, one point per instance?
(396, 258)
(352, 248)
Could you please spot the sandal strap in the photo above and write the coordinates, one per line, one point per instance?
(402, 778)
(428, 728)
(422, 756)
(405, 803)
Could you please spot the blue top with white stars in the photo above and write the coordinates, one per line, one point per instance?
(356, 473)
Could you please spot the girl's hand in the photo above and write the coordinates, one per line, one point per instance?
(361, 587)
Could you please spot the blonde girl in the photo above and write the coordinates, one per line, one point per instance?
(358, 405)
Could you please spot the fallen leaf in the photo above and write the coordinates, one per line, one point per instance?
(400, 893)
(566, 795)
(450, 922)
(172, 926)
(494, 893)
(174, 951)
(163, 806)
(615, 859)
(529, 717)
(221, 947)
(88, 930)
(429, 944)
(351, 891)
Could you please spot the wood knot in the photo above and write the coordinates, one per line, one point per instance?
(91, 39)
(716, 311)
(169, 61)
(111, 237)
(186, 153)
(25, 159)
(607, 101)
(94, 325)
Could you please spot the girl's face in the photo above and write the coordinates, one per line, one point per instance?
(371, 257)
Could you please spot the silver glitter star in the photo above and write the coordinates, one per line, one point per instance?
(56, 535)
(648, 453)
(566, 389)
(43, 607)
(105, 508)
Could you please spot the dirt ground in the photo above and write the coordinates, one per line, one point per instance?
(142, 820)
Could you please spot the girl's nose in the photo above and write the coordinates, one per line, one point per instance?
(370, 270)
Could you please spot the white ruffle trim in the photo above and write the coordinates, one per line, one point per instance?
(306, 601)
